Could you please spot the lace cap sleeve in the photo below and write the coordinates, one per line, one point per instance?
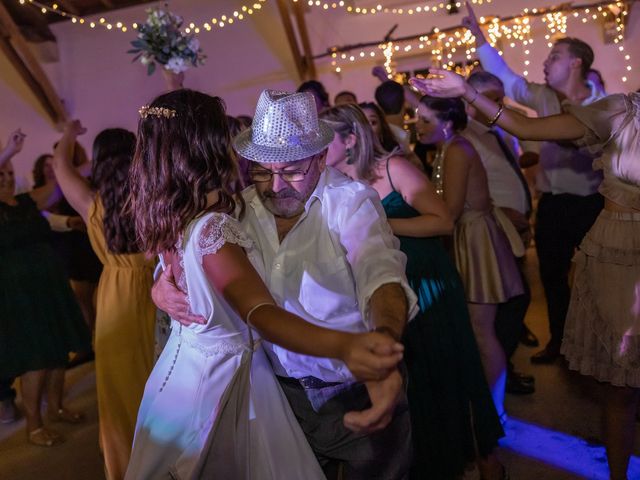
(218, 230)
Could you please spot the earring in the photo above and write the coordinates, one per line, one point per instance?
(349, 156)
(445, 132)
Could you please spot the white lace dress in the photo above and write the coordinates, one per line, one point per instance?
(212, 407)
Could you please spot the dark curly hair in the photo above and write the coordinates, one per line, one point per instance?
(447, 109)
(112, 154)
(178, 161)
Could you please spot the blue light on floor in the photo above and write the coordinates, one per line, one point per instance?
(561, 450)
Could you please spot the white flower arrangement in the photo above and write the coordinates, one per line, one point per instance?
(160, 40)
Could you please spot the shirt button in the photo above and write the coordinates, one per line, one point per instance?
(278, 266)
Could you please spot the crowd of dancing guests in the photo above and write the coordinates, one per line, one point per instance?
(342, 305)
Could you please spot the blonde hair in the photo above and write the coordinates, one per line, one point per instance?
(367, 152)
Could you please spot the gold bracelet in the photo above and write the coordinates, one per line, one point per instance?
(253, 309)
(497, 116)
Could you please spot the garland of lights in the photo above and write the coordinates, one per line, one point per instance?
(382, 9)
(445, 44)
(237, 15)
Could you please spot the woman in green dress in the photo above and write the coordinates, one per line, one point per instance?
(41, 321)
(451, 406)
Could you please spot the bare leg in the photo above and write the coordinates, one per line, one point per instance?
(55, 392)
(32, 385)
(621, 404)
(483, 316)
(84, 292)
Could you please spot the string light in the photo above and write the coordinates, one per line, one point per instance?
(120, 26)
(454, 48)
(380, 9)
(387, 51)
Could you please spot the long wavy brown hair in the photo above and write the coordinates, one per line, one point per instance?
(179, 159)
(112, 155)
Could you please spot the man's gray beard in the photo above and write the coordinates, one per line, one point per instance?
(270, 205)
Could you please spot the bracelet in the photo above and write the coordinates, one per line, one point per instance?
(388, 331)
(253, 309)
(497, 116)
(474, 98)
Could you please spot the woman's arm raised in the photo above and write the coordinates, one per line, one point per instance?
(444, 83)
(74, 186)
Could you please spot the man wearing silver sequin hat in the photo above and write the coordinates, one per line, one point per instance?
(324, 248)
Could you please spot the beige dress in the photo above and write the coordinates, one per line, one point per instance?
(602, 333)
(484, 245)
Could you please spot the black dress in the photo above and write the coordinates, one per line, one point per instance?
(449, 398)
(40, 321)
(74, 250)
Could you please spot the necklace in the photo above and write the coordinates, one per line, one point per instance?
(438, 177)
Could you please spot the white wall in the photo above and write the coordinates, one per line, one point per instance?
(101, 86)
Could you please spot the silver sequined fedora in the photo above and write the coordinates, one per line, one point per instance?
(285, 128)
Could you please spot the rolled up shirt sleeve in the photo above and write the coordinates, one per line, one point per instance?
(372, 250)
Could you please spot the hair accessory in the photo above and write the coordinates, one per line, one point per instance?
(285, 128)
(497, 116)
(146, 110)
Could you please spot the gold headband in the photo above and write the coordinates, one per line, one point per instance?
(146, 110)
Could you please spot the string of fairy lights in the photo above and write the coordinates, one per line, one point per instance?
(378, 9)
(454, 47)
(119, 26)
(447, 47)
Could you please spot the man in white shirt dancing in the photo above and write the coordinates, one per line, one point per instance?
(324, 248)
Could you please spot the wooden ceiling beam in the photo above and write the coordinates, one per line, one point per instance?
(18, 52)
(310, 67)
(108, 4)
(68, 6)
(283, 9)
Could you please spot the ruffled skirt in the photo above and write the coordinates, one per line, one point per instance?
(484, 246)
(602, 332)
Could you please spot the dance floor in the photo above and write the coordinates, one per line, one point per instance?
(553, 434)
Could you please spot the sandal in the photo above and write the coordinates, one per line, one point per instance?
(42, 437)
(66, 416)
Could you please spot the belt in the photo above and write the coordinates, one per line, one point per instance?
(310, 382)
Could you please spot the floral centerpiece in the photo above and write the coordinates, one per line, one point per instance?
(160, 40)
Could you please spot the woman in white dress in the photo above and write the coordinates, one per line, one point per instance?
(602, 333)
(212, 398)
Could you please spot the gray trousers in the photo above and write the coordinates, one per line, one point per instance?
(383, 455)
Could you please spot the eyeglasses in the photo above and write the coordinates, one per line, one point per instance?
(289, 176)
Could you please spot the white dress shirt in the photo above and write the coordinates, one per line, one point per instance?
(563, 167)
(505, 188)
(340, 251)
